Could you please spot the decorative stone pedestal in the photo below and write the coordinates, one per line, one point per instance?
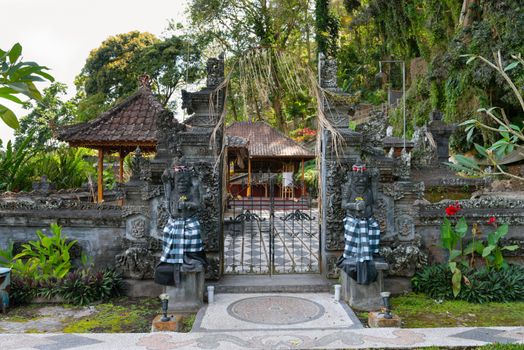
(173, 325)
(188, 297)
(377, 320)
(364, 297)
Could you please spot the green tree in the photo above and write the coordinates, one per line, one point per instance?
(265, 27)
(50, 112)
(112, 70)
(326, 29)
(170, 62)
(107, 74)
(18, 77)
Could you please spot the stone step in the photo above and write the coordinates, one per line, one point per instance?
(285, 283)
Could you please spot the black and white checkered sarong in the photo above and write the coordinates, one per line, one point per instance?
(362, 238)
(180, 236)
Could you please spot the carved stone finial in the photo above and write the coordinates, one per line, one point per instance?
(144, 81)
(215, 71)
(328, 73)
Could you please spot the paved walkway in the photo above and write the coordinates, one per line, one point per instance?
(272, 321)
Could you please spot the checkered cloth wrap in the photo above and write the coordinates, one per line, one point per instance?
(180, 236)
(362, 237)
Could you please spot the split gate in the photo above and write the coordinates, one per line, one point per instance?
(274, 231)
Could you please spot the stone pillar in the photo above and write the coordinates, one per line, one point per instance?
(335, 162)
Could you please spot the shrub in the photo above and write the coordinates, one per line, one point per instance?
(48, 257)
(479, 285)
(84, 287)
(80, 287)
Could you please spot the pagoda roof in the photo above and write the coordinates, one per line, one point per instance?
(129, 124)
(264, 141)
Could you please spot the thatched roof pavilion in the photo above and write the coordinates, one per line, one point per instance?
(265, 148)
(123, 128)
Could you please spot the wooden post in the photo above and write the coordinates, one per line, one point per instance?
(249, 177)
(303, 179)
(121, 166)
(100, 175)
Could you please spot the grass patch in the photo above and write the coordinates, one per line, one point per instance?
(122, 315)
(419, 311)
(187, 323)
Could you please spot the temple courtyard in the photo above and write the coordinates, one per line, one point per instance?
(266, 321)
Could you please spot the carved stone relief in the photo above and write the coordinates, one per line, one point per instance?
(138, 228)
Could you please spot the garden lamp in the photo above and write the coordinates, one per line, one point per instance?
(385, 299)
(165, 301)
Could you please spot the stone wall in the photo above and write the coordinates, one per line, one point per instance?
(99, 229)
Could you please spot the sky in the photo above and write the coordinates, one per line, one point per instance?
(60, 34)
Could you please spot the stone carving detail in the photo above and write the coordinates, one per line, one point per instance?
(215, 71)
(334, 212)
(510, 211)
(404, 258)
(381, 209)
(210, 212)
(213, 270)
(162, 215)
(328, 72)
(405, 227)
(136, 263)
(150, 191)
(138, 228)
(129, 210)
(333, 271)
(168, 144)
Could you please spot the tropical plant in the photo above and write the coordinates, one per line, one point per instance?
(80, 287)
(511, 134)
(15, 168)
(64, 167)
(484, 284)
(460, 257)
(18, 77)
(6, 255)
(52, 111)
(48, 257)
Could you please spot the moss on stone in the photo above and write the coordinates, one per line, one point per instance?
(124, 315)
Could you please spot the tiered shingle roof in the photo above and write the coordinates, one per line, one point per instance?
(267, 142)
(130, 124)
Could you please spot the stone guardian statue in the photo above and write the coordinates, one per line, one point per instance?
(361, 229)
(182, 247)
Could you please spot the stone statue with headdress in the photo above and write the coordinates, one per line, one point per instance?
(361, 229)
(182, 246)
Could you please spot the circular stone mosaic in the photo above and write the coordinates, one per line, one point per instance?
(275, 310)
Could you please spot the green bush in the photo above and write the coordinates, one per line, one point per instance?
(48, 257)
(80, 287)
(478, 286)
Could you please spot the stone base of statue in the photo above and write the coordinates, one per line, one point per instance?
(188, 297)
(365, 297)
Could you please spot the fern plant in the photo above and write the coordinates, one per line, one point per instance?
(15, 169)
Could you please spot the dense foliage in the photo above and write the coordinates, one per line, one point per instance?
(80, 287)
(484, 285)
(431, 36)
(112, 70)
(46, 268)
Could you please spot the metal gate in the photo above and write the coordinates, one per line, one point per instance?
(275, 230)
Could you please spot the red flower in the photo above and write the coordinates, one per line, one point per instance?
(492, 220)
(452, 209)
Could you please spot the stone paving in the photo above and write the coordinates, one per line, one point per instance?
(272, 321)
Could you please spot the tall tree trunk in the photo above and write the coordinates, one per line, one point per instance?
(469, 12)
